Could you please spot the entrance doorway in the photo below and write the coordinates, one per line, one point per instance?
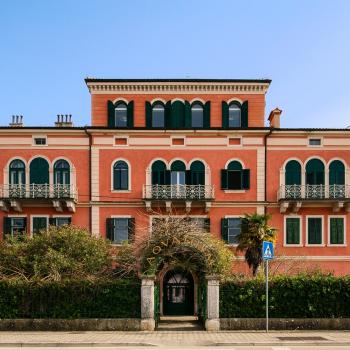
(178, 293)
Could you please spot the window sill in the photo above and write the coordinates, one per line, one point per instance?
(292, 245)
(234, 245)
(336, 245)
(121, 191)
(235, 191)
(315, 245)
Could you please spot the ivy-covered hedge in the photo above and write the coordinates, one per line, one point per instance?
(296, 297)
(70, 299)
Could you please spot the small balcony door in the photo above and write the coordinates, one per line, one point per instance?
(315, 179)
(178, 179)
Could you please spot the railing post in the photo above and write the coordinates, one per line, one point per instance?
(147, 303)
(212, 323)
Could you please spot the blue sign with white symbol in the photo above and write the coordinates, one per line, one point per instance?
(267, 250)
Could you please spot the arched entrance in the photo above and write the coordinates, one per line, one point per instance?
(178, 293)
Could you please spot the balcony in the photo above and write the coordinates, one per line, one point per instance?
(295, 195)
(12, 196)
(178, 193)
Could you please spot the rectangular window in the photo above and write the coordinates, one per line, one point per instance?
(292, 231)
(314, 142)
(314, 227)
(17, 226)
(336, 227)
(233, 230)
(39, 224)
(61, 221)
(120, 230)
(40, 141)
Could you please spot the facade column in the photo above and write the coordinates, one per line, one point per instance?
(147, 303)
(212, 323)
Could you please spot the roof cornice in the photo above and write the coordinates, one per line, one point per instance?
(179, 86)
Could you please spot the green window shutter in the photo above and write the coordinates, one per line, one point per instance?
(244, 114)
(148, 115)
(293, 173)
(315, 230)
(111, 114)
(224, 230)
(39, 171)
(167, 177)
(311, 231)
(188, 116)
(207, 224)
(69, 221)
(224, 179)
(177, 115)
(224, 107)
(168, 115)
(52, 221)
(206, 117)
(245, 179)
(130, 114)
(336, 173)
(188, 177)
(7, 226)
(25, 224)
(337, 231)
(131, 230)
(109, 228)
(293, 230)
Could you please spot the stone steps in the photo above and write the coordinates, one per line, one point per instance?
(179, 323)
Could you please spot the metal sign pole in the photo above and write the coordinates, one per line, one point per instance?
(267, 295)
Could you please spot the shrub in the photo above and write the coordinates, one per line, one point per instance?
(300, 296)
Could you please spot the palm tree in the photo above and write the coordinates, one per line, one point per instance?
(254, 230)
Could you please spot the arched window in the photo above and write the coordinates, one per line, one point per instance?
(197, 115)
(120, 175)
(314, 179)
(234, 115)
(39, 171)
(336, 179)
(178, 171)
(235, 177)
(17, 172)
(159, 173)
(62, 172)
(121, 115)
(197, 173)
(177, 115)
(293, 173)
(158, 116)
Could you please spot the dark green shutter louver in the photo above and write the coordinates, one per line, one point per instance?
(110, 229)
(167, 177)
(245, 179)
(207, 224)
(148, 115)
(224, 107)
(224, 230)
(130, 114)
(25, 225)
(7, 226)
(52, 221)
(168, 115)
(111, 114)
(131, 229)
(224, 179)
(244, 114)
(188, 177)
(206, 117)
(188, 115)
(69, 221)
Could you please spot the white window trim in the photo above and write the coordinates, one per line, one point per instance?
(233, 217)
(129, 176)
(38, 216)
(315, 137)
(329, 231)
(235, 191)
(119, 217)
(307, 231)
(285, 244)
(39, 137)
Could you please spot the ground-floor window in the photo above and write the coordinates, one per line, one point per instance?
(314, 230)
(292, 230)
(120, 230)
(15, 226)
(60, 221)
(336, 230)
(39, 223)
(230, 229)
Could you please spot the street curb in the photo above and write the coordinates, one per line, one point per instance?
(70, 345)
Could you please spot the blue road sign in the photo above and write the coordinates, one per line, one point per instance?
(267, 250)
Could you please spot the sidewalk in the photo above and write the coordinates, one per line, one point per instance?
(173, 338)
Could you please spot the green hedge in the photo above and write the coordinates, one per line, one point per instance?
(70, 299)
(298, 297)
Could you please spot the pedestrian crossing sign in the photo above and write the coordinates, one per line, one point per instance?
(267, 250)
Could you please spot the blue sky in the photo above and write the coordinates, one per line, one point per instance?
(48, 47)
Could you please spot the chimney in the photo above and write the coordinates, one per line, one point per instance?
(64, 120)
(274, 118)
(17, 121)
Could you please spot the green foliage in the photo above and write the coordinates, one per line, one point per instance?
(55, 254)
(70, 299)
(301, 296)
(255, 230)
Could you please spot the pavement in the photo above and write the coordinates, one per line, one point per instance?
(175, 339)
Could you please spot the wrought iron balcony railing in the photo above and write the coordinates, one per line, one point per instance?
(313, 192)
(186, 192)
(38, 191)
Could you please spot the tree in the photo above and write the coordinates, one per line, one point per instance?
(255, 230)
(67, 252)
